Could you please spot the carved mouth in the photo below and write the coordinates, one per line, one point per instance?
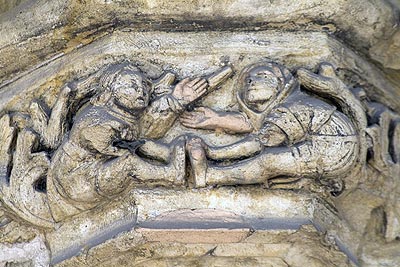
(253, 88)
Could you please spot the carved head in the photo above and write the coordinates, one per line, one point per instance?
(263, 83)
(126, 86)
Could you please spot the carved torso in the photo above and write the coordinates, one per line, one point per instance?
(309, 126)
(96, 128)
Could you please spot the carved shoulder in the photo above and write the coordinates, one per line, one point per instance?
(95, 130)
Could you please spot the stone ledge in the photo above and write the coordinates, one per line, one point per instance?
(61, 23)
(194, 236)
(238, 208)
(261, 248)
(194, 54)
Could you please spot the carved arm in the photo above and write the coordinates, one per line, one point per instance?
(208, 119)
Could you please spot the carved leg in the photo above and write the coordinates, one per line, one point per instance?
(23, 196)
(271, 163)
(198, 152)
(178, 162)
(246, 147)
(39, 118)
(114, 175)
(57, 122)
(198, 161)
(51, 129)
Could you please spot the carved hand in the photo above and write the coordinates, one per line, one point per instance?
(200, 118)
(187, 91)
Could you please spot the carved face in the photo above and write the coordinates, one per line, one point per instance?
(131, 91)
(261, 86)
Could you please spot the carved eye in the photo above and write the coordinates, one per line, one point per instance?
(134, 85)
(146, 83)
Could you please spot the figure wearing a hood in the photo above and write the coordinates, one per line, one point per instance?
(292, 133)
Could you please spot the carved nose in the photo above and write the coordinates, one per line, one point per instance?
(253, 84)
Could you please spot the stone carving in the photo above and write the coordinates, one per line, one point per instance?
(382, 231)
(293, 134)
(116, 150)
(105, 134)
(119, 117)
(97, 159)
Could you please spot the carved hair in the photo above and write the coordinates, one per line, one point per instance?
(109, 76)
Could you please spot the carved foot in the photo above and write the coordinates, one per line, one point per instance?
(198, 161)
(51, 129)
(179, 162)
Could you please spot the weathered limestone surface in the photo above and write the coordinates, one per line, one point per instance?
(68, 24)
(159, 209)
(199, 133)
(298, 49)
(261, 248)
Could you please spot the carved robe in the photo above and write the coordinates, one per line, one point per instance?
(81, 175)
(322, 140)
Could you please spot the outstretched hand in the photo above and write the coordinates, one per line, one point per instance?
(187, 91)
(200, 118)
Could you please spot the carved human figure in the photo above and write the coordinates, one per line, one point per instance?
(292, 133)
(96, 161)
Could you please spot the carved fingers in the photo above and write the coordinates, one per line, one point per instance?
(193, 82)
(200, 87)
(188, 90)
(195, 88)
(200, 118)
(51, 128)
(192, 119)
